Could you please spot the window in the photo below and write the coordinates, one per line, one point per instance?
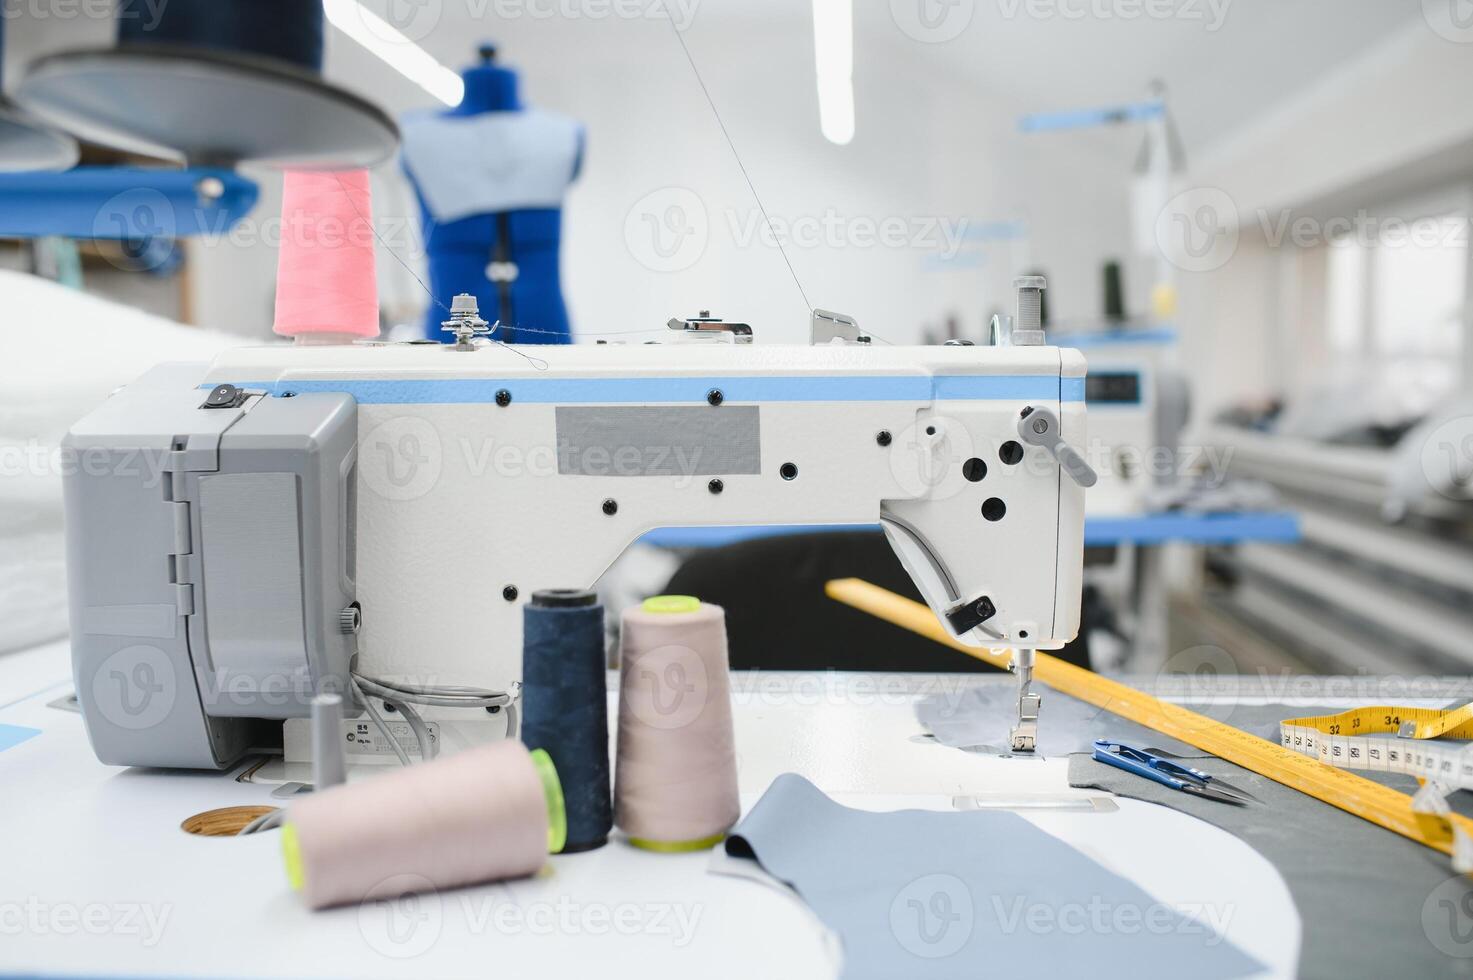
(1345, 316)
(1418, 285)
(1395, 295)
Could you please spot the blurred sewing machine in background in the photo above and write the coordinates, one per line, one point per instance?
(1383, 579)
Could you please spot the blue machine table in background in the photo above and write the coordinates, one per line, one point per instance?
(1140, 535)
(1271, 526)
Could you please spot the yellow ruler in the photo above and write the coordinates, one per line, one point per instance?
(1354, 794)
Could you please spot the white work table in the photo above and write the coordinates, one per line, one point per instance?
(99, 879)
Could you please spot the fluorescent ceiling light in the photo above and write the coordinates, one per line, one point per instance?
(390, 45)
(833, 59)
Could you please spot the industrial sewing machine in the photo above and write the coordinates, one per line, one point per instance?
(243, 534)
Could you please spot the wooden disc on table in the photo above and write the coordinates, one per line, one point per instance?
(224, 822)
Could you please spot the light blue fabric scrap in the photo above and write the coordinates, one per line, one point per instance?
(928, 895)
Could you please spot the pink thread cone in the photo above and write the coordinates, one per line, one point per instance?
(326, 285)
(675, 779)
(478, 815)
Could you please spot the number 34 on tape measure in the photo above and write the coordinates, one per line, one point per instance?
(1357, 739)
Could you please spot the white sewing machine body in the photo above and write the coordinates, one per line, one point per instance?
(477, 477)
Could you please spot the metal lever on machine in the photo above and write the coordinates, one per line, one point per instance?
(741, 333)
(1040, 427)
(827, 326)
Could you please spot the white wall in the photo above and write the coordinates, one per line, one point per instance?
(937, 138)
(930, 146)
(1379, 133)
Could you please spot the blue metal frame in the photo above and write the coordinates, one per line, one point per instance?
(1154, 336)
(1266, 526)
(1051, 122)
(128, 204)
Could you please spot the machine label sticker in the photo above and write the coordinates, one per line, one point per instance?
(645, 441)
(364, 737)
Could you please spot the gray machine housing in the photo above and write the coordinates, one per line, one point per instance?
(210, 557)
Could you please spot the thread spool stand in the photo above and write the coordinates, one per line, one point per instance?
(26, 143)
(189, 87)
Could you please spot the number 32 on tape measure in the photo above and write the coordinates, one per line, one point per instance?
(1357, 740)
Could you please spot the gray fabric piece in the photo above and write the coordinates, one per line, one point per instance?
(979, 718)
(925, 895)
(1372, 903)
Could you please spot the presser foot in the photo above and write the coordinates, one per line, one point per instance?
(1023, 737)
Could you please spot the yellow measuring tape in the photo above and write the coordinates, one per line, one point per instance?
(1338, 787)
(1350, 740)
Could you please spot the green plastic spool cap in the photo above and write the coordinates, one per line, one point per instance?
(677, 846)
(672, 604)
(291, 853)
(557, 810)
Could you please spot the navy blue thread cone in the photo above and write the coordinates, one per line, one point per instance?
(565, 706)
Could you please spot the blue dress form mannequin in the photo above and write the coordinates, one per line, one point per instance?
(508, 258)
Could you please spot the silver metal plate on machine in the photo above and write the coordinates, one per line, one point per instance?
(644, 441)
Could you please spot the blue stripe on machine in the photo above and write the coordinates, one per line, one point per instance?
(569, 391)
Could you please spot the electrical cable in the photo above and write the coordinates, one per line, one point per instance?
(427, 747)
(401, 697)
(444, 696)
(379, 721)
